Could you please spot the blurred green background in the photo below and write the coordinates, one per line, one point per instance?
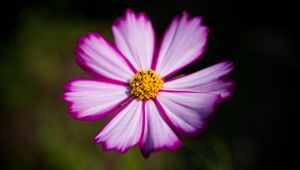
(252, 130)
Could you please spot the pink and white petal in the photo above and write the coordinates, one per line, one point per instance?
(157, 135)
(183, 42)
(124, 130)
(135, 38)
(209, 80)
(101, 59)
(93, 99)
(187, 111)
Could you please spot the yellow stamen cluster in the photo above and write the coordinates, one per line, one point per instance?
(145, 84)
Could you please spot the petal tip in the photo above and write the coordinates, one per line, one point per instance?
(185, 14)
(129, 11)
(229, 65)
(172, 147)
(107, 148)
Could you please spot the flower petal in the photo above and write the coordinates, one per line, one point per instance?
(124, 130)
(187, 111)
(100, 58)
(209, 80)
(93, 99)
(182, 43)
(135, 37)
(157, 135)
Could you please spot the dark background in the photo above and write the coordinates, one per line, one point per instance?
(255, 129)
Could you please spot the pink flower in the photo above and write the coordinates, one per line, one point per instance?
(131, 81)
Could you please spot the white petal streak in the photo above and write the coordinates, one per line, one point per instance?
(183, 43)
(135, 37)
(158, 135)
(187, 111)
(99, 58)
(124, 130)
(93, 99)
(209, 80)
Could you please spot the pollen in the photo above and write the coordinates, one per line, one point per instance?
(145, 84)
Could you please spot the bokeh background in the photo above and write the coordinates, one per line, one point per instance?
(255, 129)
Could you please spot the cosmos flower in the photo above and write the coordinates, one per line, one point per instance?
(132, 82)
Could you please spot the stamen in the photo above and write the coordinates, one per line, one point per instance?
(145, 84)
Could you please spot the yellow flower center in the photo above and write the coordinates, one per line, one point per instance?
(145, 84)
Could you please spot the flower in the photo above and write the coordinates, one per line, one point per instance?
(132, 81)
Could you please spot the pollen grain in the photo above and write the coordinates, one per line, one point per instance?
(145, 84)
